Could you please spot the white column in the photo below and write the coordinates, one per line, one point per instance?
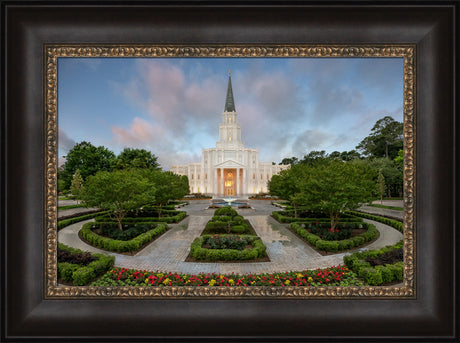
(221, 184)
(245, 189)
(237, 180)
(215, 187)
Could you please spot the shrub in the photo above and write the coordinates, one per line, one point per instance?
(156, 229)
(81, 275)
(66, 222)
(65, 270)
(335, 245)
(225, 211)
(359, 263)
(239, 229)
(199, 253)
(390, 222)
(371, 276)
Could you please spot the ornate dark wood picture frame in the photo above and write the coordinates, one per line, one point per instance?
(36, 36)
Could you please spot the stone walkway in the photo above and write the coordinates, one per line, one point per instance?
(286, 251)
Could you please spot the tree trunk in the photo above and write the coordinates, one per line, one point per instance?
(120, 226)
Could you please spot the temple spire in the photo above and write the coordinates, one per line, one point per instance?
(229, 102)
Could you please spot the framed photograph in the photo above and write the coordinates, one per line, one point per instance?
(152, 80)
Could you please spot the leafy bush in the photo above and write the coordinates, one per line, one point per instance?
(199, 253)
(390, 222)
(65, 270)
(82, 259)
(156, 229)
(335, 245)
(226, 242)
(362, 264)
(66, 222)
(225, 211)
(288, 217)
(81, 275)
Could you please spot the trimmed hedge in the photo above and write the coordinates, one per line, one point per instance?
(390, 222)
(335, 246)
(177, 217)
(66, 222)
(199, 253)
(379, 274)
(82, 275)
(121, 246)
(288, 217)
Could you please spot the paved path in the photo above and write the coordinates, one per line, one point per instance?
(382, 211)
(286, 251)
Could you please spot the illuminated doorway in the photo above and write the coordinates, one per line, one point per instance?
(230, 179)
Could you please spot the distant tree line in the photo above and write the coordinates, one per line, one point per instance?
(381, 151)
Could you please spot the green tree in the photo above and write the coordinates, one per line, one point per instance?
(399, 159)
(76, 186)
(336, 186)
(392, 174)
(136, 158)
(292, 160)
(381, 185)
(88, 159)
(118, 191)
(314, 157)
(287, 184)
(385, 139)
(168, 186)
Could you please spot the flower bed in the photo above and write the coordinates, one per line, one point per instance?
(80, 268)
(332, 276)
(115, 245)
(249, 248)
(365, 266)
(319, 243)
(306, 216)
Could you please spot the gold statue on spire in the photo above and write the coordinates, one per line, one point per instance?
(229, 72)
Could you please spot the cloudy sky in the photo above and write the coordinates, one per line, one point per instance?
(173, 106)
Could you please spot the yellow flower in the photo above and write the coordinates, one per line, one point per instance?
(166, 281)
(146, 280)
(299, 275)
(212, 282)
(221, 277)
(231, 282)
(287, 282)
(310, 279)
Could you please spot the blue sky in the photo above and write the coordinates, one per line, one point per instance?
(173, 106)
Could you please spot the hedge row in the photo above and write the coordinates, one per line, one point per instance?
(379, 274)
(199, 253)
(390, 222)
(82, 275)
(288, 217)
(179, 215)
(335, 246)
(66, 222)
(117, 245)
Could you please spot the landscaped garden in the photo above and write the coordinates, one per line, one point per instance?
(227, 237)
(332, 276)
(79, 268)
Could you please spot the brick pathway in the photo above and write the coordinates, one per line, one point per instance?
(286, 251)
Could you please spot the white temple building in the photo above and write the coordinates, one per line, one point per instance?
(229, 169)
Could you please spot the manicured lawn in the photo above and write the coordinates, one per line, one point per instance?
(387, 207)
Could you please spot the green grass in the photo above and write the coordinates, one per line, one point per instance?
(68, 207)
(387, 207)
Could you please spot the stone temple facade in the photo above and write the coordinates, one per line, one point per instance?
(229, 169)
